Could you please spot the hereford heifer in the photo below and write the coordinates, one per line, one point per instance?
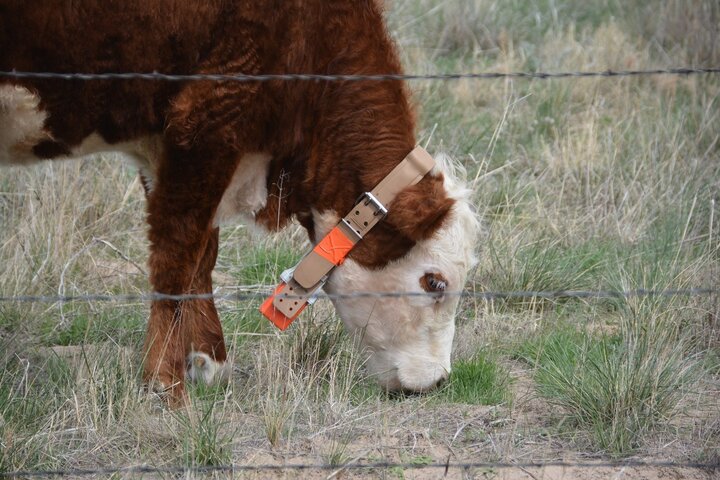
(209, 152)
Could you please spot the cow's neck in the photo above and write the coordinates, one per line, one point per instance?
(342, 138)
(328, 175)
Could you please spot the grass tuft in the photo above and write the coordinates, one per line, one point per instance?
(617, 387)
(205, 441)
(478, 380)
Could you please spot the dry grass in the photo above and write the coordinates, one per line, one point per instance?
(582, 184)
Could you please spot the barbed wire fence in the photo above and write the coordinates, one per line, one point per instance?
(167, 77)
(264, 290)
(256, 292)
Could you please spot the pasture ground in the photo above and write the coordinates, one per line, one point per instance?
(581, 184)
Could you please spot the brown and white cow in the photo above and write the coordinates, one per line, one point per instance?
(211, 151)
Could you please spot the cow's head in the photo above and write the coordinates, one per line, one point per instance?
(410, 337)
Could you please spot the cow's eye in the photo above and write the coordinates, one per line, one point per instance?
(434, 282)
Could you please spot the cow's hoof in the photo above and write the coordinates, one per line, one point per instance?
(202, 368)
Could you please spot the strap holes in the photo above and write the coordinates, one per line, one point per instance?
(365, 223)
(357, 212)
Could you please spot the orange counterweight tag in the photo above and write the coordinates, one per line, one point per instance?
(279, 319)
(334, 247)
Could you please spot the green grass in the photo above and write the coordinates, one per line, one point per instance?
(479, 380)
(543, 266)
(205, 441)
(313, 344)
(80, 326)
(26, 403)
(244, 324)
(11, 317)
(260, 263)
(616, 387)
(336, 453)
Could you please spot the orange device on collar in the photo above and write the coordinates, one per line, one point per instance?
(333, 248)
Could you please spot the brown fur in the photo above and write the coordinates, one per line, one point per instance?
(329, 141)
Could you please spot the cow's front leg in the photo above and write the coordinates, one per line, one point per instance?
(183, 247)
(207, 361)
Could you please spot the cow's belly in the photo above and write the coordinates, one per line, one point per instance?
(22, 127)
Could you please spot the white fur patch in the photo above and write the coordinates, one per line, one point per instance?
(21, 125)
(247, 192)
(410, 338)
(202, 368)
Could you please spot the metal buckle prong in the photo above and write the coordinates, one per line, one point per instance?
(377, 204)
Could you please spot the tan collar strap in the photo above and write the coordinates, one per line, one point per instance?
(302, 283)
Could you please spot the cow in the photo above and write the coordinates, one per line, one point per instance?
(270, 152)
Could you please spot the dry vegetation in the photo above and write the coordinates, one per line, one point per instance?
(582, 184)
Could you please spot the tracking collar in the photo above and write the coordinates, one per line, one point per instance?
(301, 283)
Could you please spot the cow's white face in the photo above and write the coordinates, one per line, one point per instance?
(409, 338)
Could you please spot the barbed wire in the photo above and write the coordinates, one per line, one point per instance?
(262, 291)
(157, 76)
(143, 469)
(216, 77)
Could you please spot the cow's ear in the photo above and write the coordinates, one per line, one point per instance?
(418, 211)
